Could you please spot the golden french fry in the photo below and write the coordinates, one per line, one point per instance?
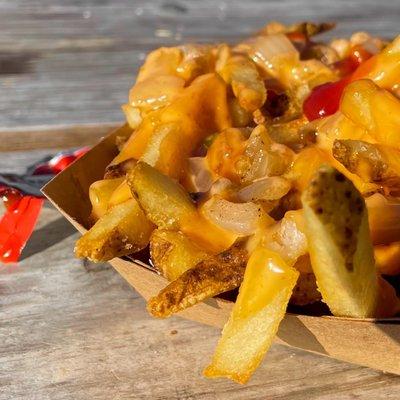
(375, 109)
(306, 291)
(371, 162)
(173, 253)
(100, 193)
(169, 206)
(340, 245)
(167, 136)
(120, 170)
(384, 67)
(388, 302)
(247, 84)
(165, 202)
(123, 230)
(387, 258)
(261, 304)
(121, 194)
(384, 219)
(214, 275)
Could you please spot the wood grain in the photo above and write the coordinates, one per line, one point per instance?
(53, 137)
(72, 62)
(70, 330)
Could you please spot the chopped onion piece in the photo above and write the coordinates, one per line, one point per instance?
(287, 237)
(241, 218)
(221, 187)
(264, 49)
(270, 188)
(199, 175)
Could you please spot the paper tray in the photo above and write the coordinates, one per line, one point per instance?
(373, 343)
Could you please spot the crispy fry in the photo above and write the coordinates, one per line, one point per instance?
(121, 194)
(259, 308)
(100, 193)
(384, 219)
(340, 245)
(169, 206)
(120, 169)
(375, 109)
(247, 85)
(388, 302)
(240, 116)
(291, 133)
(173, 253)
(214, 275)
(306, 291)
(164, 201)
(387, 258)
(123, 230)
(371, 162)
(306, 28)
(167, 136)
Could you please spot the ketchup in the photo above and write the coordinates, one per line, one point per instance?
(324, 99)
(10, 197)
(22, 211)
(17, 224)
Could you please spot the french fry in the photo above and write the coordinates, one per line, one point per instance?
(384, 67)
(247, 85)
(375, 109)
(164, 201)
(166, 137)
(388, 302)
(214, 275)
(306, 291)
(371, 162)
(169, 206)
(121, 169)
(261, 304)
(121, 194)
(100, 193)
(340, 245)
(123, 230)
(173, 253)
(384, 219)
(387, 258)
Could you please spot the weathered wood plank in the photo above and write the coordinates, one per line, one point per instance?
(53, 137)
(73, 62)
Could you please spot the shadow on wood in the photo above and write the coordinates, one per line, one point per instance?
(49, 235)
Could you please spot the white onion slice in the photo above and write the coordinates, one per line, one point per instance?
(220, 187)
(287, 237)
(199, 174)
(265, 49)
(270, 188)
(241, 218)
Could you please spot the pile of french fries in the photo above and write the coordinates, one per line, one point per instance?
(232, 187)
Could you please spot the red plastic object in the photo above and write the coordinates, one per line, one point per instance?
(22, 212)
(10, 196)
(16, 227)
(59, 162)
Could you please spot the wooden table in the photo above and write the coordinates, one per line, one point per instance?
(70, 330)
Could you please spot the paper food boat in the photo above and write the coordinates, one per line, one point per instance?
(372, 343)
